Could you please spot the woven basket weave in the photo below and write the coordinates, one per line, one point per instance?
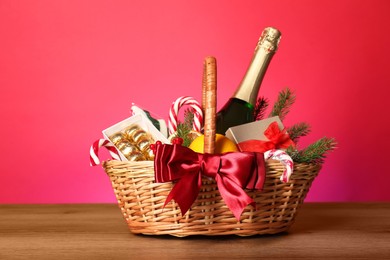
(141, 200)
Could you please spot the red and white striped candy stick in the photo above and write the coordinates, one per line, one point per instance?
(93, 152)
(285, 159)
(174, 111)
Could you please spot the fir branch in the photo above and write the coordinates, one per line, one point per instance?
(282, 105)
(293, 152)
(260, 107)
(188, 117)
(314, 153)
(183, 132)
(298, 130)
(184, 128)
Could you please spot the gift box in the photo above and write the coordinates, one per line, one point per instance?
(252, 131)
(136, 120)
(261, 136)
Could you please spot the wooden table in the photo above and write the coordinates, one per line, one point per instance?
(98, 231)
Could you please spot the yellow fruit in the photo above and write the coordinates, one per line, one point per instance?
(222, 144)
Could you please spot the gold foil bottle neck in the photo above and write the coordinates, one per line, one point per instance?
(269, 39)
(264, 51)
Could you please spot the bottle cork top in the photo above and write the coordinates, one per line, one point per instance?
(269, 39)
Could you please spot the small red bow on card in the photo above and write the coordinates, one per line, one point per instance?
(232, 171)
(277, 139)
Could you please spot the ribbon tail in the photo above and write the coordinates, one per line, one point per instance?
(283, 140)
(257, 178)
(185, 192)
(234, 196)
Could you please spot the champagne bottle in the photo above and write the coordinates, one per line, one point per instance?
(240, 107)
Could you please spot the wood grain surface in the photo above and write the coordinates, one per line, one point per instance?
(98, 231)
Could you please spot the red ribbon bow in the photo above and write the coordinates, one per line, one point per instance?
(277, 139)
(232, 171)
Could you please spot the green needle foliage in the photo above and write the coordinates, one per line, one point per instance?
(184, 128)
(260, 107)
(285, 100)
(298, 130)
(314, 153)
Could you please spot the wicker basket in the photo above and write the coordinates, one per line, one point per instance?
(141, 200)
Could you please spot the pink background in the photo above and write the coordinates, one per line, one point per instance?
(69, 69)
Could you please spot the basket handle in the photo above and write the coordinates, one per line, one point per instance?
(209, 102)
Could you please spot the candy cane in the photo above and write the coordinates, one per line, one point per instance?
(174, 111)
(93, 152)
(285, 159)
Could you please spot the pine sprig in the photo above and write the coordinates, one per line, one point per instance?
(184, 128)
(260, 107)
(188, 118)
(298, 130)
(283, 103)
(314, 153)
